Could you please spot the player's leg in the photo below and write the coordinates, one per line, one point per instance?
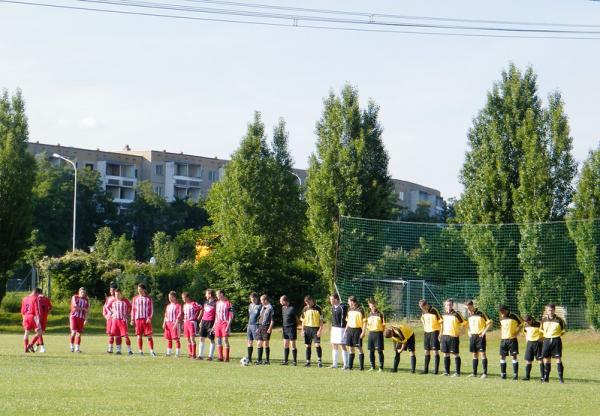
(226, 347)
(118, 342)
(319, 352)
(335, 352)
(380, 354)
(361, 354)
(344, 355)
(515, 358)
(426, 360)
(286, 348)
(260, 349)
(371, 347)
(484, 363)
(396, 358)
(148, 330)
(473, 349)
(211, 348)
(351, 356)
(267, 350)
(307, 344)
(250, 335)
(294, 351)
(78, 341)
(26, 340)
(411, 347)
(557, 353)
(502, 366)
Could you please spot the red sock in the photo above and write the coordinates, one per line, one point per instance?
(140, 343)
(78, 339)
(193, 350)
(111, 340)
(34, 340)
(151, 344)
(226, 353)
(220, 352)
(41, 340)
(178, 343)
(169, 344)
(127, 341)
(119, 341)
(72, 339)
(189, 349)
(26, 342)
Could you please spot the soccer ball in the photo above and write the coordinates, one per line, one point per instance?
(245, 361)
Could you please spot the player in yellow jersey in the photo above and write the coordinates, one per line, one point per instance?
(479, 325)
(312, 326)
(452, 325)
(376, 326)
(356, 327)
(432, 324)
(553, 328)
(510, 327)
(404, 340)
(533, 350)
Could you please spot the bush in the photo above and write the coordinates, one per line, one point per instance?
(12, 302)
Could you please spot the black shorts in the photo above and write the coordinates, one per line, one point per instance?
(206, 329)
(431, 341)
(310, 335)
(353, 338)
(410, 344)
(552, 348)
(509, 347)
(290, 333)
(533, 350)
(262, 334)
(477, 343)
(450, 345)
(376, 340)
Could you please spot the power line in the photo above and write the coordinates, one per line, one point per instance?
(296, 23)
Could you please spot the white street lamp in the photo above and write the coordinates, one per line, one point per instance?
(74, 193)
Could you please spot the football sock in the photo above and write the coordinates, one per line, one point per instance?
(26, 342)
(220, 352)
(151, 344)
(308, 354)
(372, 358)
(560, 368)
(295, 354)
(128, 342)
(211, 350)
(319, 352)
(503, 367)
(119, 342)
(193, 350)
(380, 359)
(426, 365)
(250, 350)
(542, 370)
(396, 361)
(436, 363)
(268, 353)
(334, 357)
(351, 360)
(286, 354)
(260, 353)
(227, 353)
(361, 360)
(189, 349)
(475, 365)
(447, 365)
(72, 339)
(528, 370)
(140, 343)
(111, 340)
(547, 368)
(345, 358)
(34, 340)
(41, 340)
(201, 354)
(457, 362)
(169, 344)
(78, 340)
(484, 364)
(413, 363)
(515, 364)
(169, 350)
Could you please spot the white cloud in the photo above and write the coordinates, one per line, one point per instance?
(88, 122)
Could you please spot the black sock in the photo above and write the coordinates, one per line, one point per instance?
(308, 354)
(260, 352)
(426, 366)
(457, 364)
(560, 368)
(380, 359)
(436, 364)
(396, 361)
(475, 365)
(286, 354)
(447, 365)
(372, 358)
(413, 363)
(542, 370)
(528, 370)
(515, 367)
(484, 363)
(503, 368)
(319, 352)
(250, 349)
(268, 352)
(547, 368)
(351, 359)
(361, 360)
(295, 354)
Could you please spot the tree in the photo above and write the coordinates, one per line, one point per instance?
(17, 175)
(163, 250)
(584, 228)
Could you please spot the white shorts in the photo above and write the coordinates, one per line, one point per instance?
(337, 335)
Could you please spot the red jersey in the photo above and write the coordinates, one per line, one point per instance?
(191, 311)
(44, 306)
(119, 309)
(106, 312)
(173, 312)
(29, 306)
(209, 310)
(79, 306)
(141, 307)
(224, 311)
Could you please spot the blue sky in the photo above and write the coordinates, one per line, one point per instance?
(103, 81)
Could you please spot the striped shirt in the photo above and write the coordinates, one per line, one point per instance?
(173, 312)
(191, 311)
(106, 312)
(79, 306)
(224, 311)
(120, 309)
(142, 307)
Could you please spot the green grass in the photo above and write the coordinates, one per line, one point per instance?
(95, 383)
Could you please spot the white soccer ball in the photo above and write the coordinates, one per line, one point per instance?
(245, 361)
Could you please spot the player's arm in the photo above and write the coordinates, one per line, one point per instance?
(133, 309)
(270, 329)
(74, 306)
(364, 327)
(201, 313)
(488, 324)
(229, 318)
(302, 324)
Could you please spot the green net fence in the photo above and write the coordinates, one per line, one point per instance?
(524, 266)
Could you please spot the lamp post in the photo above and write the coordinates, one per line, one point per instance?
(74, 193)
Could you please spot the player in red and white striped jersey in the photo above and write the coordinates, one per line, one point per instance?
(31, 319)
(191, 310)
(223, 318)
(141, 318)
(44, 308)
(173, 315)
(120, 308)
(80, 305)
(106, 312)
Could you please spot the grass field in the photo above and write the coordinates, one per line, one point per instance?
(95, 383)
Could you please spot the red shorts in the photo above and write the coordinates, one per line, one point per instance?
(221, 329)
(142, 328)
(118, 328)
(171, 331)
(109, 322)
(43, 323)
(29, 323)
(189, 329)
(77, 324)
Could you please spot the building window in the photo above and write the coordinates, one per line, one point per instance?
(213, 175)
(401, 195)
(159, 191)
(159, 170)
(89, 166)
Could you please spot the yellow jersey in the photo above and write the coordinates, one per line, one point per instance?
(356, 318)
(509, 326)
(553, 327)
(478, 321)
(401, 334)
(311, 316)
(376, 322)
(432, 320)
(452, 322)
(532, 332)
